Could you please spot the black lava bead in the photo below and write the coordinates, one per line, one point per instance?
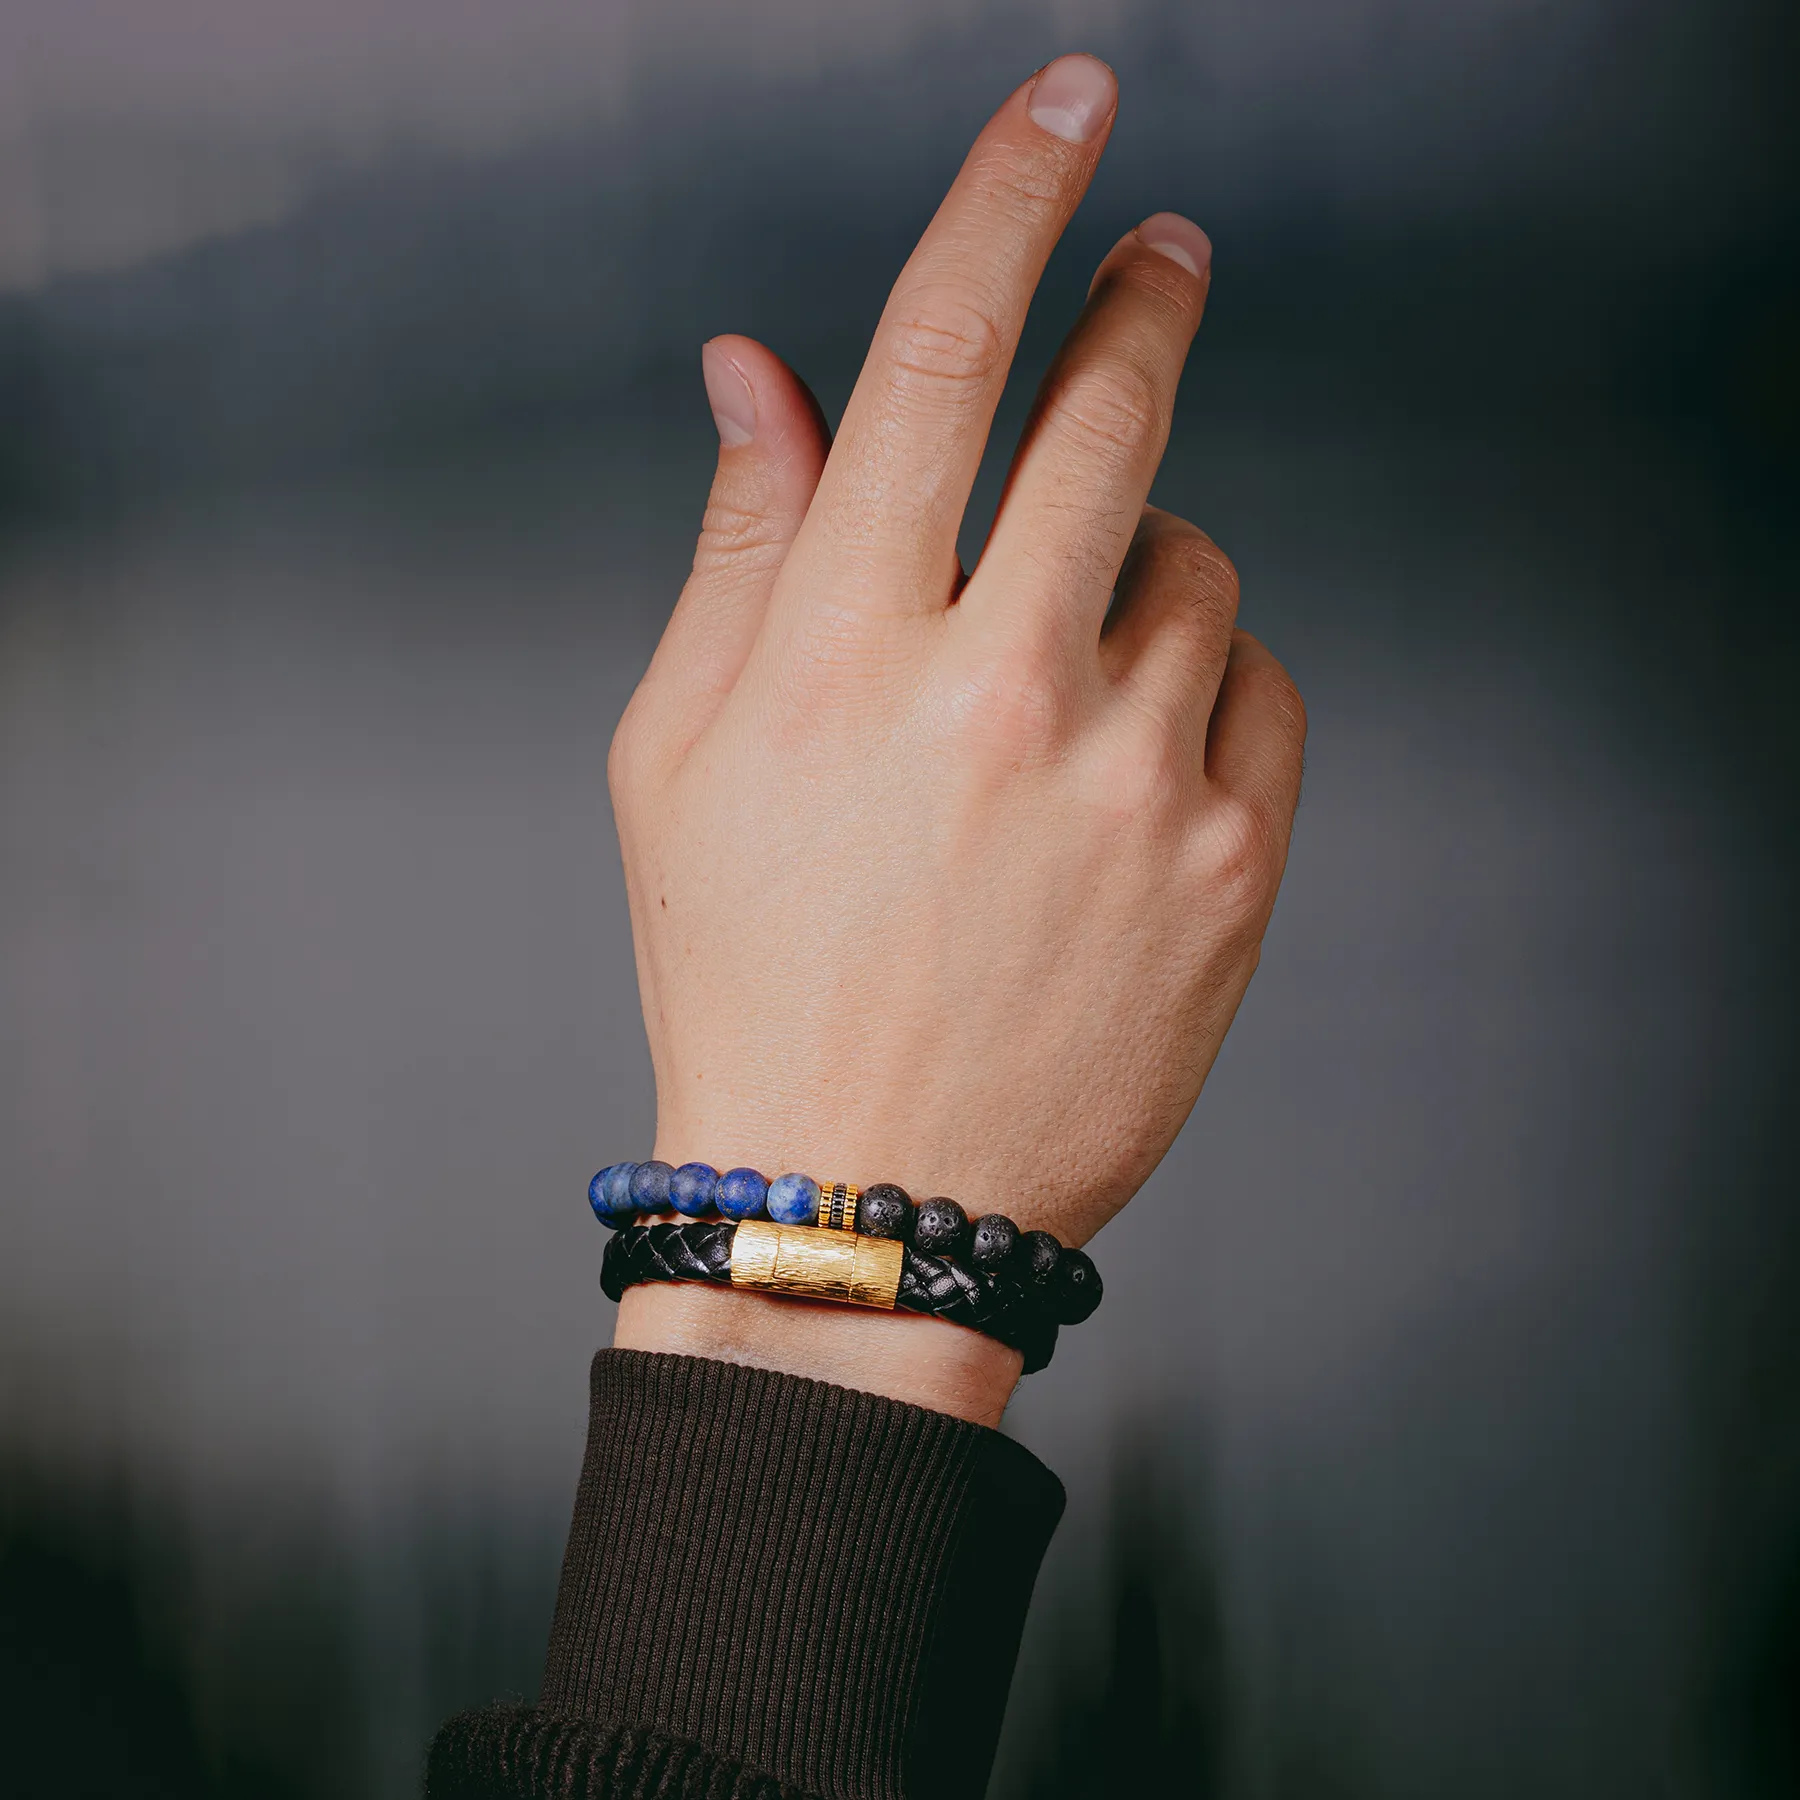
(996, 1238)
(1074, 1288)
(885, 1211)
(1039, 1253)
(941, 1228)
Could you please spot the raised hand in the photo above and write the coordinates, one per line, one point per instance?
(953, 883)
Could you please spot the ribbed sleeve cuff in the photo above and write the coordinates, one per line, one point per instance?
(817, 1584)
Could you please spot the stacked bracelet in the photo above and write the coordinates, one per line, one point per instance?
(831, 1241)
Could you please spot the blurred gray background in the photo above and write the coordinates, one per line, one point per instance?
(352, 444)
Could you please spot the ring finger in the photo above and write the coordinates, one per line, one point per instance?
(1083, 469)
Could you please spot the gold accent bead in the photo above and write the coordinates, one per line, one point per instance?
(837, 1205)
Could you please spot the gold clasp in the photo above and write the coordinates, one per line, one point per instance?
(806, 1263)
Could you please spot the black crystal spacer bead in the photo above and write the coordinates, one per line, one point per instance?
(1039, 1253)
(941, 1228)
(1074, 1289)
(885, 1211)
(996, 1238)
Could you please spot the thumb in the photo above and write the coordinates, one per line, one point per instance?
(772, 446)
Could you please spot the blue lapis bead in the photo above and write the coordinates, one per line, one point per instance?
(741, 1194)
(609, 1194)
(650, 1187)
(692, 1188)
(794, 1200)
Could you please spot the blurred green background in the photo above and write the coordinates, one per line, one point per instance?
(352, 445)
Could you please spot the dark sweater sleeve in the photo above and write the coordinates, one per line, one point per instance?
(773, 1587)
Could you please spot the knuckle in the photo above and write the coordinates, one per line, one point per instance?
(1119, 408)
(1151, 289)
(1240, 853)
(741, 535)
(1205, 568)
(1016, 711)
(1143, 778)
(1020, 182)
(1197, 570)
(942, 340)
(1273, 692)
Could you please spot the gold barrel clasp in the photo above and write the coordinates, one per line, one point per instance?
(806, 1263)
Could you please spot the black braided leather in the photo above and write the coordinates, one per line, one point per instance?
(700, 1250)
(691, 1250)
(1003, 1308)
(946, 1290)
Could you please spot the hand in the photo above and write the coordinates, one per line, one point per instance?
(953, 883)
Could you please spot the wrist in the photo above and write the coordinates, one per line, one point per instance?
(925, 1362)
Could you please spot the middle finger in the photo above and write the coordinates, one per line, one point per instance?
(883, 523)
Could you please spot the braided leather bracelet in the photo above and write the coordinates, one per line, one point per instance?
(709, 1250)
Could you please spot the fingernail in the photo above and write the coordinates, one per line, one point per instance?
(1073, 97)
(1179, 239)
(728, 393)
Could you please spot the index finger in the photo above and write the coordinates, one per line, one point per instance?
(883, 523)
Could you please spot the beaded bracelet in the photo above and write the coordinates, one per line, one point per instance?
(1060, 1285)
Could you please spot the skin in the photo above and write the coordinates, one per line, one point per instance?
(951, 882)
